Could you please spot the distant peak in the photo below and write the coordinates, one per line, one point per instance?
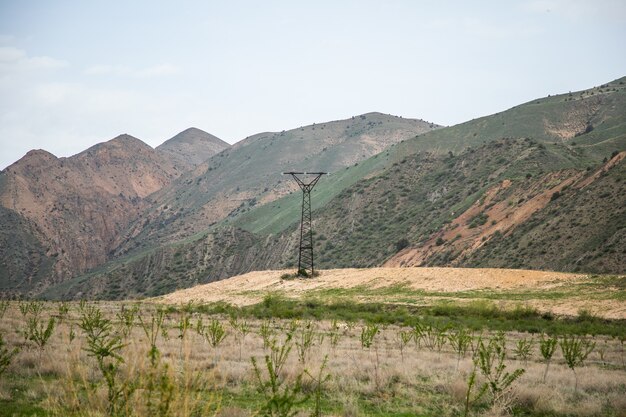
(379, 114)
(39, 153)
(191, 147)
(35, 156)
(194, 130)
(123, 142)
(193, 135)
(125, 138)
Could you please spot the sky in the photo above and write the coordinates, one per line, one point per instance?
(75, 73)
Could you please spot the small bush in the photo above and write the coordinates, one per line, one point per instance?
(401, 244)
(478, 220)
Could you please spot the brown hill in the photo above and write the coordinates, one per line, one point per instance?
(76, 207)
(191, 147)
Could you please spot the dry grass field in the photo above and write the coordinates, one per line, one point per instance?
(547, 291)
(297, 356)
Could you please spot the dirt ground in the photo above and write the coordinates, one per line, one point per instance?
(249, 288)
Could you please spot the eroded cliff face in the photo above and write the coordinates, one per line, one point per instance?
(76, 207)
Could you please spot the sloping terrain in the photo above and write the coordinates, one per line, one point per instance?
(167, 268)
(72, 214)
(460, 211)
(598, 112)
(23, 259)
(581, 228)
(549, 292)
(249, 174)
(251, 287)
(191, 147)
(72, 210)
(445, 197)
(591, 121)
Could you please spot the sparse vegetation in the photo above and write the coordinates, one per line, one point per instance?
(141, 371)
(478, 220)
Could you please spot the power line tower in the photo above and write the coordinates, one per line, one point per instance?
(305, 257)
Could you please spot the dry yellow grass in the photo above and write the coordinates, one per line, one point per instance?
(429, 279)
(250, 288)
(426, 379)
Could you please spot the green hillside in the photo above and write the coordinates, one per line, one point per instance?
(418, 202)
(248, 174)
(448, 197)
(602, 108)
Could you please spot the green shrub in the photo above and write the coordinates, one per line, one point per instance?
(575, 350)
(105, 346)
(6, 355)
(489, 360)
(547, 346)
(478, 220)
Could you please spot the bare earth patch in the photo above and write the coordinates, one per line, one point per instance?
(251, 287)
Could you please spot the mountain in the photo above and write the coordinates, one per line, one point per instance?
(67, 213)
(191, 147)
(539, 186)
(249, 174)
(65, 216)
(501, 204)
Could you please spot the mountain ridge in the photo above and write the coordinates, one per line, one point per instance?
(415, 192)
(80, 208)
(248, 173)
(402, 191)
(76, 206)
(191, 147)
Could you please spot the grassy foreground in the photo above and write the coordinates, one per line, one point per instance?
(304, 357)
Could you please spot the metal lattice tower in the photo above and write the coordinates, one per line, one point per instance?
(305, 257)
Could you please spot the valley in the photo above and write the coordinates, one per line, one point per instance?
(516, 189)
(312, 209)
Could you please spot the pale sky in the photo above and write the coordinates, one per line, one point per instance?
(74, 73)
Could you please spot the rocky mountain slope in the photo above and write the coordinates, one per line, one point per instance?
(249, 174)
(191, 147)
(537, 186)
(73, 214)
(69, 212)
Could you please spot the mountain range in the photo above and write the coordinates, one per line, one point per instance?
(539, 186)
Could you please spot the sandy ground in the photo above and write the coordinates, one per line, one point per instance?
(251, 287)
(428, 279)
